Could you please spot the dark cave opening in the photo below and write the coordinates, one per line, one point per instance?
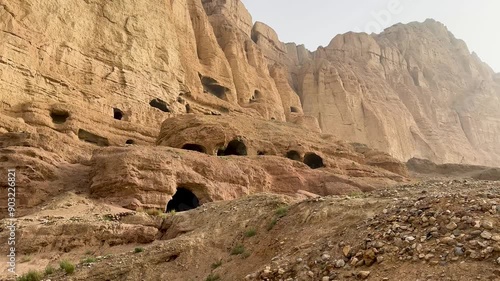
(194, 147)
(313, 160)
(213, 87)
(159, 104)
(183, 200)
(235, 147)
(293, 109)
(92, 138)
(117, 114)
(130, 142)
(59, 116)
(294, 155)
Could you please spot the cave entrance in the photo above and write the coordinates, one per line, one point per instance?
(130, 142)
(159, 104)
(59, 116)
(213, 87)
(293, 109)
(313, 160)
(117, 114)
(183, 200)
(294, 155)
(194, 147)
(235, 147)
(92, 138)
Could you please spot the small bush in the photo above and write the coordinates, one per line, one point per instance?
(213, 277)
(251, 232)
(138, 250)
(216, 265)
(154, 212)
(273, 222)
(68, 267)
(49, 270)
(282, 211)
(238, 250)
(89, 260)
(30, 276)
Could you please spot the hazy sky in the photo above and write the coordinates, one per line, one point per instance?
(315, 22)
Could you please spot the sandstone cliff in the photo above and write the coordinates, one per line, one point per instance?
(413, 91)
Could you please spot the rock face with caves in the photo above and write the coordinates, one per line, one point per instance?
(111, 111)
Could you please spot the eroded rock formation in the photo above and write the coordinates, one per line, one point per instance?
(413, 91)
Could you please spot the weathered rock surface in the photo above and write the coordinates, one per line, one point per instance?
(86, 85)
(413, 91)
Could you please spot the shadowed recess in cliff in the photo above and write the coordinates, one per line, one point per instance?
(213, 87)
(194, 147)
(183, 200)
(294, 155)
(159, 104)
(92, 138)
(235, 147)
(117, 114)
(59, 116)
(313, 160)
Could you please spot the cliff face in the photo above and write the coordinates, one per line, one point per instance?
(118, 69)
(142, 60)
(413, 91)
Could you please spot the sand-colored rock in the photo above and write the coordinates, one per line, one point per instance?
(148, 177)
(413, 91)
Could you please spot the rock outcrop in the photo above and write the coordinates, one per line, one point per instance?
(413, 91)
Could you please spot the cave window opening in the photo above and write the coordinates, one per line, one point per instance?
(212, 87)
(92, 138)
(293, 155)
(293, 109)
(159, 104)
(183, 200)
(313, 160)
(261, 153)
(235, 147)
(194, 147)
(130, 142)
(117, 114)
(59, 117)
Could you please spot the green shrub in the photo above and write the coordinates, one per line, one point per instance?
(251, 232)
(238, 250)
(30, 276)
(89, 260)
(68, 267)
(138, 250)
(49, 270)
(273, 222)
(282, 211)
(216, 265)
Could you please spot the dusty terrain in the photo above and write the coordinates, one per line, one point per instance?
(436, 230)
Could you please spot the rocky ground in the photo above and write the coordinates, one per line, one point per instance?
(429, 230)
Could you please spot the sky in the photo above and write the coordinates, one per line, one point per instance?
(315, 22)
